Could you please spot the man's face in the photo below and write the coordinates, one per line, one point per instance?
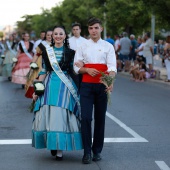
(42, 35)
(145, 37)
(76, 31)
(95, 31)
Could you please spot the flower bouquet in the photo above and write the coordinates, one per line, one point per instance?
(107, 80)
(2, 56)
(34, 66)
(38, 88)
(14, 60)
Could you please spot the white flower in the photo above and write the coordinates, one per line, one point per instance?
(14, 60)
(39, 86)
(33, 65)
(2, 56)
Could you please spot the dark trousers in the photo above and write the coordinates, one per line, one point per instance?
(92, 94)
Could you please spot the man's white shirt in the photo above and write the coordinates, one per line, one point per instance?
(100, 52)
(75, 42)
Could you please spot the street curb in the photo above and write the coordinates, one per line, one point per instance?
(161, 81)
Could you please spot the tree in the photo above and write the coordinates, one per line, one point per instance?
(1, 35)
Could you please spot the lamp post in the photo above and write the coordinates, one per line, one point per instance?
(105, 29)
(153, 31)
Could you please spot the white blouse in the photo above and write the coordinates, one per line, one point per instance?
(100, 52)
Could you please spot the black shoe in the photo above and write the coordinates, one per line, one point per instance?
(23, 86)
(96, 157)
(53, 152)
(9, 78)
(86, 159)
(58, 158)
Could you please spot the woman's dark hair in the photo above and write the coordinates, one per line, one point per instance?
(66, 42)
(168, 39)
(46, 34)
(143, 66)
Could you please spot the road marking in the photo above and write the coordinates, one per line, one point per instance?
(162, 165)
(136, 137)
(15, 141)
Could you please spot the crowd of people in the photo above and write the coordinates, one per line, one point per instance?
(62, 75)
(136, 56)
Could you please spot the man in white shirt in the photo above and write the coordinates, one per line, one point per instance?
(96, 55)
(42, 36)
(76, 40)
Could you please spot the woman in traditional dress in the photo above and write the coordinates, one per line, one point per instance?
(56, 125)
(10, 53)
(36, 66)
(24, 57)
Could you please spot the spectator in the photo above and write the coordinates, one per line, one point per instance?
(148, 50)
(117, 48)
(125, 47)
(139, 72)
(167, 57)
(155, 48)
(161, 46)
(132, 55)
(139, 50)
(109, 39)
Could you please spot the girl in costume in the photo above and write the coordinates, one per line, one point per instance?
(10, 53)
(56, 125)
(36, 66)
(24, 58)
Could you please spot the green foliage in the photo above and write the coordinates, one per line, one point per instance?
(1, 34)
(121, 15)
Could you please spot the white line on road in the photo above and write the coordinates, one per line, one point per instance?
(128, 129)
(15, 141)
(135, 138)
(123, 140)
(162, 165)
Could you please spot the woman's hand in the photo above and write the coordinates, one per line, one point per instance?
(79, 64)
(34, 96)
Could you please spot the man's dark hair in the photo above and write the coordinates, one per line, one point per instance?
(93, 21)
(43, 31)
(76, 24)
(148, 34)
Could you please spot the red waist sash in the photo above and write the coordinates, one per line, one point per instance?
(96, 79)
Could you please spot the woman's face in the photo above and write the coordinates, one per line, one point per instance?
(11, 38)
(59, 35)
(26, 37)
(48, 36)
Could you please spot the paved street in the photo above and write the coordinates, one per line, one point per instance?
(137, 131)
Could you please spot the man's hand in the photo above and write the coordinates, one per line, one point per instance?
(92, 71)
(110, 88)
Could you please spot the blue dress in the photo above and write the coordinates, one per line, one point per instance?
(56, 125)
